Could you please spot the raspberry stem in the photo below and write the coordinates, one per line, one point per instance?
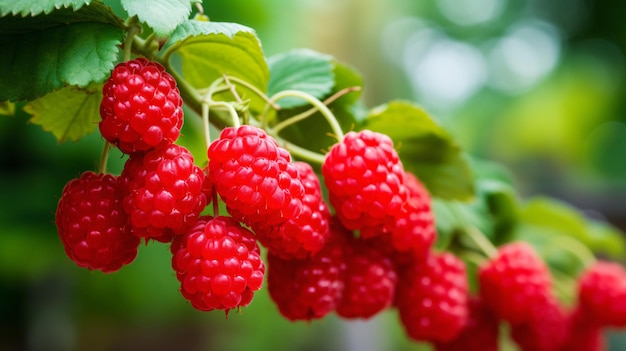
(102, 167)
(573, 246)
(324, 110)
(301, 116)
(481, 241)
(252, 88)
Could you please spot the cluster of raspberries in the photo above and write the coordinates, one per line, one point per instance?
(366, 250)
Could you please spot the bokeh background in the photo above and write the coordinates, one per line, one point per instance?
(535, 85)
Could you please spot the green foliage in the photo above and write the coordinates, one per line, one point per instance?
(76, 48)
(553, 218)
(36, 7)
(209, 50)
(69, 113)
(425, 148)
(300, 69)
(151, 12)
(7, 108)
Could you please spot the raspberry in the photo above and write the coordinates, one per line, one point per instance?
(164, 192)
(92, 224)
(414, 229)
(255, 177)
(370, 281)
(305, 235)
(480, 332)
(602, 294)
(141, 107)
(364, 177)
(514, 282)
(432, 298)
(547, 331)
(218, 264)
(311, 288)
(583, 335)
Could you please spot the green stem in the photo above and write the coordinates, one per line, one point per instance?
(102, 167)
(205, 125)
(301, 116)
(231, 110)
(131, 34)
(300, 152)
(575, 247)
(254, 89)
(481, 241)
(324, 110)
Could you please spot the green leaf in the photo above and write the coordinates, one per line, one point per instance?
(346, 77)
(453, 216)
(208, 50)
(7, 108)
(425, 148)
(300, 69)
(36, 63)
(556, 219)
(36, 7)
(161, 15)
(95, 12)
(69, 113)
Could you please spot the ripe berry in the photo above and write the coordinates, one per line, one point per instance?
(364, 177)
(306, 234)
(92, 224)
(141, 107)
(370, 281)
(547, 331)
(255, 177)
(582, 334)
(218, 264)
(514, 282)
(602, 294)
(310, 288)
(414, 230)
(480, 332)
(164, 192)
(432, 298)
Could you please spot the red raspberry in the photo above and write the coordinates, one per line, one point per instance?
(141, 107)
(311, 288)
(432, 298)
(602, 294)
(92, 224)
(414, 229)
(164, 192)
(547, 331)
(480, 333)
(583, 335)
(218, 264)
(305, 235)
(364, 177)
(370, 281)
(255, 177)
(514, 282)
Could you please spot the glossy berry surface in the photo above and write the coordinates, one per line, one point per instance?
(432, 298)
(92, 224)
(141, 107)
(218, 264)
(255, 177)
(310, 288)
(602, 294)
(306, 234)
(514, 282)
(164, 192)
(547, 331)
(370, 281)
(480, 332)
(364, 177)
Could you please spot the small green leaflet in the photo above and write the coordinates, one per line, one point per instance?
(161, 15)
(7, 108)
(300, 69)
(69, 113)
(209, 50)
(426, 149)
(36, 7)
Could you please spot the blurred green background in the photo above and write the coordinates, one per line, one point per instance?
(535, 85)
